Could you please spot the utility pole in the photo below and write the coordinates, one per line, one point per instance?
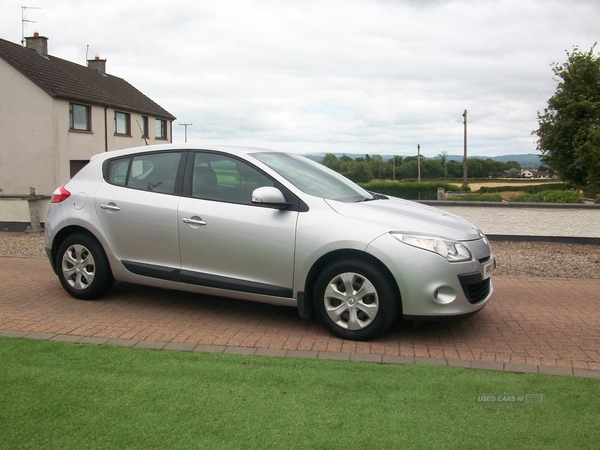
(419, 161)
(394, 165)
(185, 125)
(465, 150)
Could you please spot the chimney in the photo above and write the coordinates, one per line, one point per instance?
(37, 43)
(97, 64)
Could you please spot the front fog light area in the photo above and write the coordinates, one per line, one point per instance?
(453, 251)
(444, 295)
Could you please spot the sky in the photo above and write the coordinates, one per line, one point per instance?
(329, 76)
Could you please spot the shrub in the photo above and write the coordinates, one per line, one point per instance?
(479, 198)
(535, 188)
(551, 197)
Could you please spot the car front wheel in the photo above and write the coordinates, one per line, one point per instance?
(83, 268)
(355, 301)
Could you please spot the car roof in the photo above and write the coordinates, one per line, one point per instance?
(238, 150)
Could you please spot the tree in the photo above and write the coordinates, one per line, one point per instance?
(568, 133)
(513, 172)
(360, 172)
(331, 161)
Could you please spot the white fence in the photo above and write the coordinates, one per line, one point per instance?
(534, 220)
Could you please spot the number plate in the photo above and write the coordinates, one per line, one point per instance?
(488, 269)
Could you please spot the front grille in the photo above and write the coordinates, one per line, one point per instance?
(477, 292)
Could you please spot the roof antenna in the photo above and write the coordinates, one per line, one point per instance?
(87, 49)
(24, 20)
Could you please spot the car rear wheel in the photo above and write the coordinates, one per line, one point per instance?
(355, 301)
(83, 268)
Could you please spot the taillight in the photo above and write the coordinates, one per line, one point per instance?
(60, 195)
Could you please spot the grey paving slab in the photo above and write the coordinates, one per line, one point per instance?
(388, 359)
(584, 373)
(210, 348)
(308, 354)
(553, 370)
(338, 356)
(240, 350)
(520, 368)
(487, 365)
(94, 340)
(180, 346)
(152, 345)
(366, 357)
(122, 342)
(66, 338)
(431, 361)
(40, 336)
(271, 352)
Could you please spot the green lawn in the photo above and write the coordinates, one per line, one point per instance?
(64, 396)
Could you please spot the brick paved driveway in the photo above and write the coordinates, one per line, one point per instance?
(532, 324)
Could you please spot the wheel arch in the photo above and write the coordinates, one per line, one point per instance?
(341, 254)
(63, 234)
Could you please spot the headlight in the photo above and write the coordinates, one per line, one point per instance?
(453, 251)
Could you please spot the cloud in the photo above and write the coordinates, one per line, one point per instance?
(342, 75)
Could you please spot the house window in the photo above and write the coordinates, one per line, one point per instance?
(145, 126)
(122, 123)
(161, 128)
(80, 117)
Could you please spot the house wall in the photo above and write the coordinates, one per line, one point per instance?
(28, 143)
(37, 145)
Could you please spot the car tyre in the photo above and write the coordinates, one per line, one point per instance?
(355, 300)
(83, 268)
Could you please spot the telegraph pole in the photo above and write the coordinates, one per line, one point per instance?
(465, 150)
(185, 125)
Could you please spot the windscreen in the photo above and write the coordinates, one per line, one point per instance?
(313, 178)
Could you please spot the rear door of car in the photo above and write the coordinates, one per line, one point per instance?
(137, 208)
(226, 241)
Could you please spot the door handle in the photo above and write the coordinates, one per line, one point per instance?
(110, 207)
(194, 221)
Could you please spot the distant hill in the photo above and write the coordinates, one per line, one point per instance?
(529, 160)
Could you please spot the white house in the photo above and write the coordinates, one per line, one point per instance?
(56, 114)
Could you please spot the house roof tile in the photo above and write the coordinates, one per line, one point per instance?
(64, 79)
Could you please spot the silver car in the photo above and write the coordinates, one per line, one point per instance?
(266, 226)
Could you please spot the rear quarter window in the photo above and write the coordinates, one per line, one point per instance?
(156, 172)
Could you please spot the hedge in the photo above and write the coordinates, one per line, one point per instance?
(551, 197)
(409, 190)
(533, 189)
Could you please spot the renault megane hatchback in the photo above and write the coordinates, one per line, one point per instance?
(266, 226)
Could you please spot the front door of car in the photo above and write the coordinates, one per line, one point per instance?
(137, 208)
(227, 242)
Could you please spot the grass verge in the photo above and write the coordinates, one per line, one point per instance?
(62, 395)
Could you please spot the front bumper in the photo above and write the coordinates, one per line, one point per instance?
(430, 286)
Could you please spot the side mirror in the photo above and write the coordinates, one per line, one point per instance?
(270, 197)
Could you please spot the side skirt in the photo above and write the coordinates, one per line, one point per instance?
(207, 280)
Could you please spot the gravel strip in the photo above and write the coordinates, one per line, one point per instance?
(528, 259)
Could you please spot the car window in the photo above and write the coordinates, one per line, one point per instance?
(117, 173)
(156, 172)
(313, 178)
(222, 178)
